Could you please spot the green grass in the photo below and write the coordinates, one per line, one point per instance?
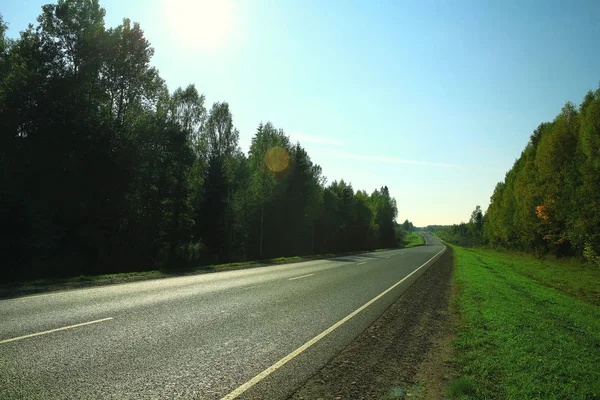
(463, 386)
(413, 239)
(569, 276)
(93, 278)
(529, 328)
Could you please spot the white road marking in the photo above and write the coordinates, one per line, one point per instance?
(54, 330)
(361, 263)
(241, 389)
(300, 277)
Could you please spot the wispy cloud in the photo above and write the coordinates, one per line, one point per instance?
(315, 139)
(393, 160)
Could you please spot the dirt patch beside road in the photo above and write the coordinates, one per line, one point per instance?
(406, 353)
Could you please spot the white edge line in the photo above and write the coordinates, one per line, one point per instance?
(361, 263)
(300, 277)
(54, 330)
(241, 389)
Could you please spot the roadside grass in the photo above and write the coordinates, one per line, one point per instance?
(525, 338)
(413, 239)
(569, 276)
(463, 386)
(93, 278)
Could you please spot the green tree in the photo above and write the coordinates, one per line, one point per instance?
(407, 226)
(548, 201)
(104, 170)
(585, 231)
(267, 185)
(220, 143)
(386, 212)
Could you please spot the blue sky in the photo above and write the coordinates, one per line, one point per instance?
(435, 99)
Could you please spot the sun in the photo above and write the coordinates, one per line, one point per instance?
(199, 24)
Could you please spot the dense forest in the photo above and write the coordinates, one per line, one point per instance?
(550, 199)
(105, 170)
(549, 202)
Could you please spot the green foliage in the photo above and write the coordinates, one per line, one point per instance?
(464, 234)
(522, 334)
(550, 199)
(413, 239)
(3, 40)
(437, 228)
(104, 170)
(463, 386)
(590, 255)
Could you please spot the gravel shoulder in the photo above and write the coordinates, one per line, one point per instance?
(406, 353)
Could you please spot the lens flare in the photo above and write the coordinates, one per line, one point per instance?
(277, 159)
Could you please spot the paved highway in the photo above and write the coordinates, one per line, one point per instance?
(254, 333)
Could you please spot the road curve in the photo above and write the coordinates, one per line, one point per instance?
(199, 337)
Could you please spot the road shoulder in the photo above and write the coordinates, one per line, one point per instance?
(407, 352)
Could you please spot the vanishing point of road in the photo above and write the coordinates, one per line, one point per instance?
(253, 333)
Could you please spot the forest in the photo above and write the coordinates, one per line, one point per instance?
(549, 201)
(105, 170)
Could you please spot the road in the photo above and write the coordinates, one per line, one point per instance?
(256, 333)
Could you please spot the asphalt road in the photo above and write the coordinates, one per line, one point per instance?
(199, 337)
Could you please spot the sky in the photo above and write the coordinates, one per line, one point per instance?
(435, 99)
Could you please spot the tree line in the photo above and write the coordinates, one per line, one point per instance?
(105, 170)
(549, 201)
(464, 234)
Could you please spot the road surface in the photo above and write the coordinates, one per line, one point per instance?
(254, 333)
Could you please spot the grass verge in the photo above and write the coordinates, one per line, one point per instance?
(530, 329)
(413, 239)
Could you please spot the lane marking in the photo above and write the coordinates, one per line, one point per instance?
(361, 263)
(300, 277)
(54, 330)
(241, 389)
(388, 257)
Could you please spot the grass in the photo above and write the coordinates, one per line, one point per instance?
(94, 278)
(530, 328)
(463, 386)
(569, 276)
(413, 239)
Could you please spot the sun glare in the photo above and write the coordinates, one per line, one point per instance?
(200, 24)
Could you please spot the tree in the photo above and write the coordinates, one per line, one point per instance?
(215, 220)
(585, 233)
(4, 42)
(385, 215)
(104, 170)
(266, 185)
(476, 224)
(549, 199)
(130, 80)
